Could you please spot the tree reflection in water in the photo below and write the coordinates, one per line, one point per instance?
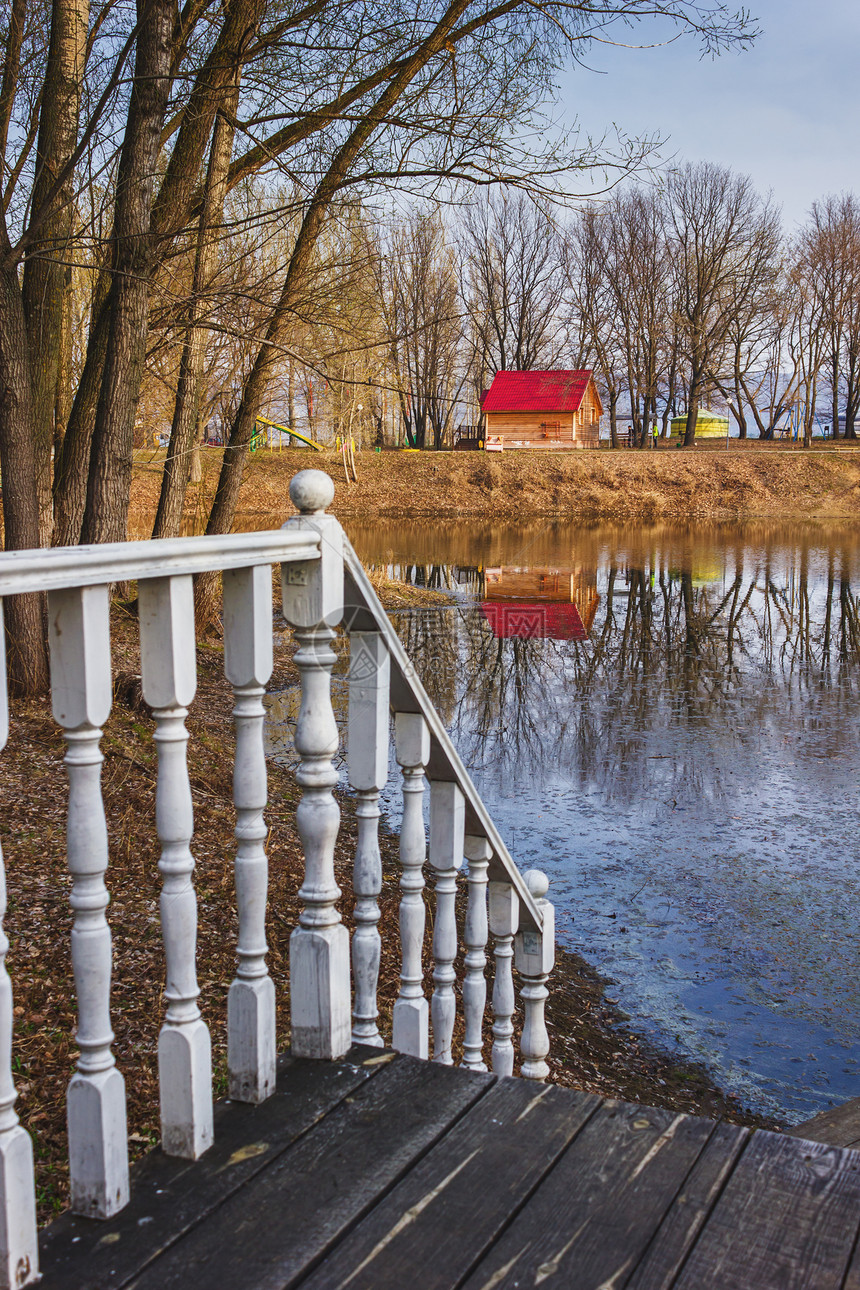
(668, 650)
(690, 767)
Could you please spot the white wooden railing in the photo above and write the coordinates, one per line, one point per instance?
(332, 992)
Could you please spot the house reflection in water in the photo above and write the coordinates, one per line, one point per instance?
(558, 604)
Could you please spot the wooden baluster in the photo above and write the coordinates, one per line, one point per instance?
(251, 1048)
(19, 1247)
(447, 821)
(169, 675)
(79, 638)
(535, 956)
(312, 596)
(504, 920)
(411, 1014)
(369, 674)
(478, 852)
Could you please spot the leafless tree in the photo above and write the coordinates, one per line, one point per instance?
(808, 339)
(722, 237)
(625, 238)
(766, 367)
(830, 247)
(755, 327)
(422, 319)
(592, 304)
(513, 286)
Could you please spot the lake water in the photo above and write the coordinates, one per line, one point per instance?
(666, 721)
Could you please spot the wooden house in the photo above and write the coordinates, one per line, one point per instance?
(559, 409)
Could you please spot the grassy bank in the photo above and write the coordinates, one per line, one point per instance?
(707, 482)
(593, 1048)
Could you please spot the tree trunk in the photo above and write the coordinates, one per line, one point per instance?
(108, 485)
(71, 467)
(852, 396)
(47, 274)
(739, 407)
(63, 401)
(196, 476)
(834, 406)
(692, 408)
(26, 628)
(177, 468)
(291, 396)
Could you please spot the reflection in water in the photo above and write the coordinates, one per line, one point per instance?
(555, 603)
(686, 773)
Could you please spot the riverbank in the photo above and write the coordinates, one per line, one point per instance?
(593, 1047)
(707, 482)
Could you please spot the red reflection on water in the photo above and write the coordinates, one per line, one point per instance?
(556, 622)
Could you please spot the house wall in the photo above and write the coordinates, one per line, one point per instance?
(590, 409)
(523, 429)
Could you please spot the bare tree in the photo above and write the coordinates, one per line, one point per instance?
(591, 301)
(756, 325)
(830, 245)
(808, 340)
(422, 319)
(722, 237)
(767, 365)
(629, 250)
(513, 285)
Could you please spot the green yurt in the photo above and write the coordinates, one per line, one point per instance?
(709, 425)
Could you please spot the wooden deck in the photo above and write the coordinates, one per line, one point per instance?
(838, 1127)
(386, 1172)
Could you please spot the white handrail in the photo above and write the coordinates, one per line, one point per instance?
(92, 566)
(364, 612)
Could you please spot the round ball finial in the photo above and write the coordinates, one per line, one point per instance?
(311, 491)
(537, 883)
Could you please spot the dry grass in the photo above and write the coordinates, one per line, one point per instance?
(759, 480)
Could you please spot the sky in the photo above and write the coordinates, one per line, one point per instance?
(786, 111)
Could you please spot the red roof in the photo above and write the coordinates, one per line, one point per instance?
(510, 618)
(536, 391)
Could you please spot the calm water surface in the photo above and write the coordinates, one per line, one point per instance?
(666, 721)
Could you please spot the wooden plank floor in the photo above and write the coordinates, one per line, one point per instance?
(838, 1127)
(385, 1173)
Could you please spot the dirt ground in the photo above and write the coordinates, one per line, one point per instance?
(592, 1047)
(753, 480)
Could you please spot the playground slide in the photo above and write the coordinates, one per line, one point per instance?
(287, 430)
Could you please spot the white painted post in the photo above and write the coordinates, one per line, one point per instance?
(447, 824)
(478, 853)
(169, 676)
(19, 1247)
(251, 1048)
(535, 956)
(312, 596)
(504, 920)
(411, 1014)
(79, 637)
(369, 674)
